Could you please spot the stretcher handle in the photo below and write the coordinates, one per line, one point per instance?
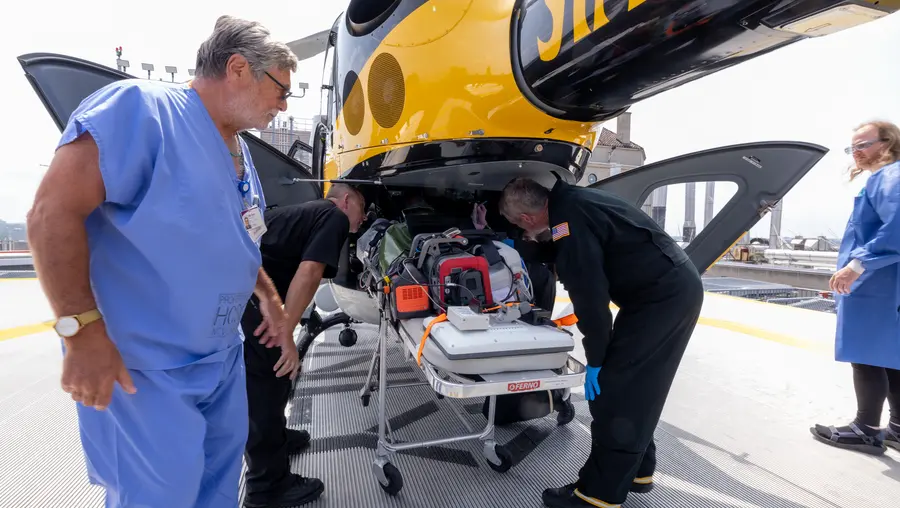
(435, 243)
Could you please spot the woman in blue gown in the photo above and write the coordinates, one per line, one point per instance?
(867, 292)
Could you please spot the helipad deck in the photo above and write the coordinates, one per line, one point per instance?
(734, 432)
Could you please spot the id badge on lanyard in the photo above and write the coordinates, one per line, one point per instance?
(251, 215)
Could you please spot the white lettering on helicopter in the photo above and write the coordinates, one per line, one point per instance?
(549, 49)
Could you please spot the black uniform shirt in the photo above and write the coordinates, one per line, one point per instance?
(607, 250)
(312, 231)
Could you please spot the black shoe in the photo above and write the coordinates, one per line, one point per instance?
(642, 487)
(891, 438)
(564, 497)
(566, 413)
(297, 441)
(299, 492)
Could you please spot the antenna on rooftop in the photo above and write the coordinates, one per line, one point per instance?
(121, 65)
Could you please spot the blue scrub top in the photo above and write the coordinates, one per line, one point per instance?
(171, 264)
(868, 319)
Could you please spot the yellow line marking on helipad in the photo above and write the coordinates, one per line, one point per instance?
(724, 324)
(21, 331)
(754, 331)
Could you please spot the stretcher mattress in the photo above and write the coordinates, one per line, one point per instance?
(508, 347)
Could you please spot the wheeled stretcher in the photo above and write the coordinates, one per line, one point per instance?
(509, 356)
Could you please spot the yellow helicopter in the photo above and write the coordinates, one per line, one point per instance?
(448, 100)
(454, 98)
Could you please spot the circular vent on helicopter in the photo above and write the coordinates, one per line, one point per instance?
(354, 103)
(387, 90)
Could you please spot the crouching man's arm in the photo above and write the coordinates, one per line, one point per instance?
(302, 290)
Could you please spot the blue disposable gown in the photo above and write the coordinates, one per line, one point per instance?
(868, 319)
(172, 268)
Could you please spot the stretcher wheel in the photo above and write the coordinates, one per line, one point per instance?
(347, 337)
(502, 454)
(393, 476)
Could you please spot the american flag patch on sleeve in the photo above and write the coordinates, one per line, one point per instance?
(560, 231)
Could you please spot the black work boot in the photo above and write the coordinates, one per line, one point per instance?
(566, 412)
(299, 491)
(297, 441)
(565, 497)
(642, 485)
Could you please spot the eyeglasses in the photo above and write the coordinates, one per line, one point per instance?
(861, 146)
(287, 92)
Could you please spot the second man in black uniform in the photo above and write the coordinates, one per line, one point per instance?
(301, 246)
(608, 251)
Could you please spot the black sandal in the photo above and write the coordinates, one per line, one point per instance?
(849, 438)
(891, 438)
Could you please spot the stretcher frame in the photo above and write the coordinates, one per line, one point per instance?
(445, 384)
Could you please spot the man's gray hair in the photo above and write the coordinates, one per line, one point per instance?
(523, 195)
(249, 39)
(339, 190)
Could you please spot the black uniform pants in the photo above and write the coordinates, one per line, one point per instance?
(266, 453)
(648, 342)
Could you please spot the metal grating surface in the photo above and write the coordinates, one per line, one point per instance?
(344, 436)
(754, 453)
(819, 304)
(746, 288)
(18, 274)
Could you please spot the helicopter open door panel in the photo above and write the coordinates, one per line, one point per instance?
(62, 82)
(761, 173)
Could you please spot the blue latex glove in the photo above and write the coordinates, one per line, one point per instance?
(591, 382)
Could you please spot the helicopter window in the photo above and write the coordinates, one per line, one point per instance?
(328, 96)
(364, 16)
(683, 210)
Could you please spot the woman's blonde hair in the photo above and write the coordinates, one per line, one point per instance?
(890, 134)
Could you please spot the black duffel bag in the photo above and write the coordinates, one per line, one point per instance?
(521, 407)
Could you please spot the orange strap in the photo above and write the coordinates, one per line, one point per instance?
(442, 317)
(569, 320)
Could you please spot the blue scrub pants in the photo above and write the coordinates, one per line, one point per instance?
(176, 443)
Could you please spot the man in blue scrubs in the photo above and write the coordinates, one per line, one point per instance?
(145, 234)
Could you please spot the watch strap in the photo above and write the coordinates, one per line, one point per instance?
(86, 318)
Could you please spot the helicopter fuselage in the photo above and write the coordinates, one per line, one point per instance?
(465, 94)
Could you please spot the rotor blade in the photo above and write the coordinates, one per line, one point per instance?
(311, 45)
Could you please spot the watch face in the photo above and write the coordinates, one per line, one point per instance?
(67, 326)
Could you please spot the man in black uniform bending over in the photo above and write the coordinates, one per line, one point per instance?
(301, 246)
(607, 250)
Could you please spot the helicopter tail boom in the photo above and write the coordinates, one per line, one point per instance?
(589, 60)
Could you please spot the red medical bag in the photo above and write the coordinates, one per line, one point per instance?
(461, 279)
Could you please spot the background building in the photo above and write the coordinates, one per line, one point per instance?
(12, 236)
(614, 153)
(286, 129)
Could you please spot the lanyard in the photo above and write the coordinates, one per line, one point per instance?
(243, 186)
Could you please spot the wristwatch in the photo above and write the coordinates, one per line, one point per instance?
(68, 326)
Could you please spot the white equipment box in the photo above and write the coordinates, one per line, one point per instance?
(507, 339)
(465, 319)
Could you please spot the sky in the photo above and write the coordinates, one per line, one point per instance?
(814, 91)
